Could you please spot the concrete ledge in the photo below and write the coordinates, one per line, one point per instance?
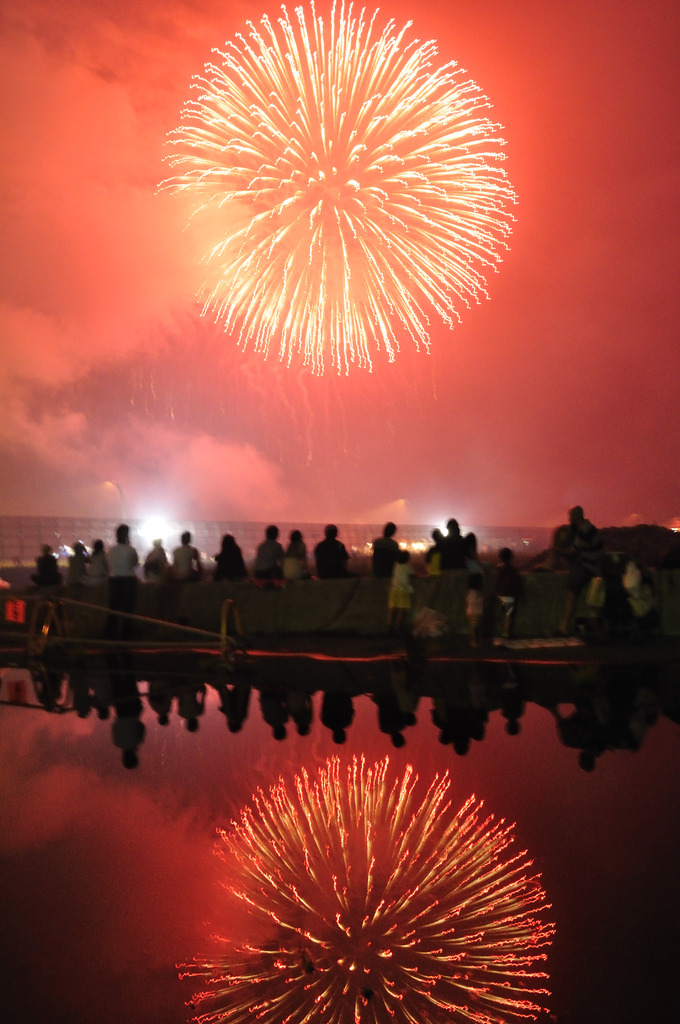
(667, 586)
(355, 606)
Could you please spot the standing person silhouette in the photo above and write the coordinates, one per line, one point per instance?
(582, 547)
(331, 556)
(123, 561)
(452, 547)
(186, 561)
(385, 552)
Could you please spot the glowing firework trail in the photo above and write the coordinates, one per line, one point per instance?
(355, 187)
(372, 904)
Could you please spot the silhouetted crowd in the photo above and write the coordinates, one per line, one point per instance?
(617, 592)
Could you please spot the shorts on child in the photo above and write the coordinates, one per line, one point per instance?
(398, 597)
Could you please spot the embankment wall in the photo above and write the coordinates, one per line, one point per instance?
(352, 606)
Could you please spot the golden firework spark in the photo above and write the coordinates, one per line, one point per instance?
(355, 186)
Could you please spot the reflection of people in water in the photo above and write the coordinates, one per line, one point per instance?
(459, 723)
(612, 709)
(513, 699)
(47, 686)
(299, 704)
(337, 712)
(406, 690)
(79, 685)
(612, 712)
(391, 719)
(191, 704)
(273, 708)
(159, 698)
(234, 702)
(128, 730)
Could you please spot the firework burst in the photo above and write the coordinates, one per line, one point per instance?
(353, 187)
(372, 904)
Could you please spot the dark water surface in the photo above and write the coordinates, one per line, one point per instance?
(108, 879)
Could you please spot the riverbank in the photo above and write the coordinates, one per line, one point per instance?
(355, 606)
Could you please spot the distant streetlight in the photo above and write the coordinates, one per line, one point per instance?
(112, 483)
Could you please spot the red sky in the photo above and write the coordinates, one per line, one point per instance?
(561, 389)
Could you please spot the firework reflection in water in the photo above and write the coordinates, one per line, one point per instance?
(353, 187)
(378, 905)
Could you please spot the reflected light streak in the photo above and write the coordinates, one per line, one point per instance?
(374, 903)
(352, 187)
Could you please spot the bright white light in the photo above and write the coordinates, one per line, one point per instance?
(152, 529)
